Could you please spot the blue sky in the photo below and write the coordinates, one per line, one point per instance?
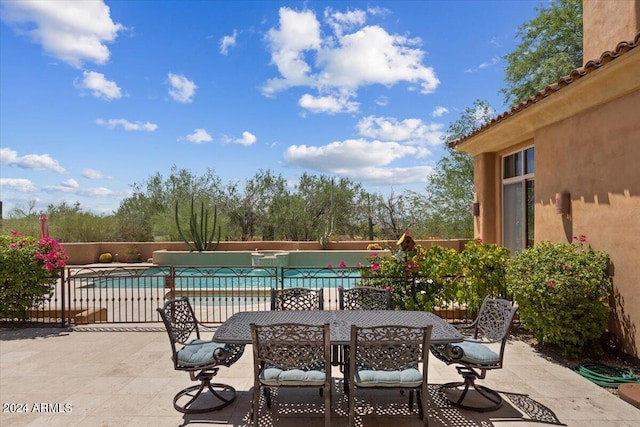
(96, 96)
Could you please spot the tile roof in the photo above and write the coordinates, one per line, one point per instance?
(605, 58)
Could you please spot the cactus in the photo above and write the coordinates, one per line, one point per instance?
(198, 227)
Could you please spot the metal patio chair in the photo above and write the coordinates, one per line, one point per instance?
(291, 355)
(481, 352)
(297, 299)
(201, 358)
(390, 357)
(359, 298)
(364, 298)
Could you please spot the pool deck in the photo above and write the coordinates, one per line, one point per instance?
(122, 375)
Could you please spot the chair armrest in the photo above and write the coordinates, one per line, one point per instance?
(209, 327)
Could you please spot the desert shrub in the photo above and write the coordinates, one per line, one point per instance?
(562, 290)
(29, 268)
(423, 278)
(483, 273)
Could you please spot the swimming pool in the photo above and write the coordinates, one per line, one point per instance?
(224, 278)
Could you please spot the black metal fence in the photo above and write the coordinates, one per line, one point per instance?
(132, 294)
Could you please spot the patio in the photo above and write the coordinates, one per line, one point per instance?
(121, 375)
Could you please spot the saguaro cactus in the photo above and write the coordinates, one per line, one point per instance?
(201, 237)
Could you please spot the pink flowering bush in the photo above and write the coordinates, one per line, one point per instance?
(29, 268)
(563, 291)
(420, 277)
(424, 278)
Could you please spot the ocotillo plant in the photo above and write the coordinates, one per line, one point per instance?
(199, 228)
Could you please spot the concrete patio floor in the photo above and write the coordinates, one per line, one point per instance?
(122, 375)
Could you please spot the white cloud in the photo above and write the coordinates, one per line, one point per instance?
(99, 86)
(198, 136)
(342, 21)
(247, 139)
(411, 131)
(299, 32)
(92, 174)
(68, 187)
(440, 111)
(227, 42)
(96, 192)
(483, 65)
(182, 89)
(71, 183)
(344, 61)
(18, 184)
(30, 161)
(72, 31)
(382, 101)
(328, 104)
(127, 125)
(361, 160)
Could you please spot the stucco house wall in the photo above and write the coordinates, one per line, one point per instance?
(585, 130)
(616, 16)
(594, 156)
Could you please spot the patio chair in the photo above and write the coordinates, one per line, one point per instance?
(297, 299)
(390, 357)
(291, 355)
(364, 298)
(201, 358)
(481, 352)
(359, 298)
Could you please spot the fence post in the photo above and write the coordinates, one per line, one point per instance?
(62, 297)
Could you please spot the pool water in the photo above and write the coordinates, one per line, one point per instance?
(226, 278)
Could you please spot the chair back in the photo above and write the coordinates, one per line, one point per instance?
(390, 348)
(297, 299)
(291, 346)
(364, 298)
(494, 319)
(180, 320)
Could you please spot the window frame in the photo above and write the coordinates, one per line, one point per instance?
(524, 179)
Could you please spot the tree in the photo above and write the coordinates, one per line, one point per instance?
(450, 188)
(392, 215)
(149, 210)
(249, 209)
(550, 47)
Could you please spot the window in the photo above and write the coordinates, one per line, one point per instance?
(518, 199)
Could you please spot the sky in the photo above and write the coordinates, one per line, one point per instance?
(96, 96)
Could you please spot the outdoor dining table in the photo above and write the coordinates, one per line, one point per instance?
(236, 329)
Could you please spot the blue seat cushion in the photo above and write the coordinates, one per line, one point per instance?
(478, 353)
(410, 377)
(292, 377)
(198, 352)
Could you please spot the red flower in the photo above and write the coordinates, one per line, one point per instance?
(342, 264)
(330, 266)
(566, 267)
(550, 284)
(375, 267)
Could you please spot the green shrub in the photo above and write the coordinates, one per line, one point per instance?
(106, 258)
(483, 274)
(562, 290)
(423, 278)
(29, 268)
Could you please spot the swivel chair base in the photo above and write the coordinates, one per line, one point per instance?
(222, 394)
(468, 395)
